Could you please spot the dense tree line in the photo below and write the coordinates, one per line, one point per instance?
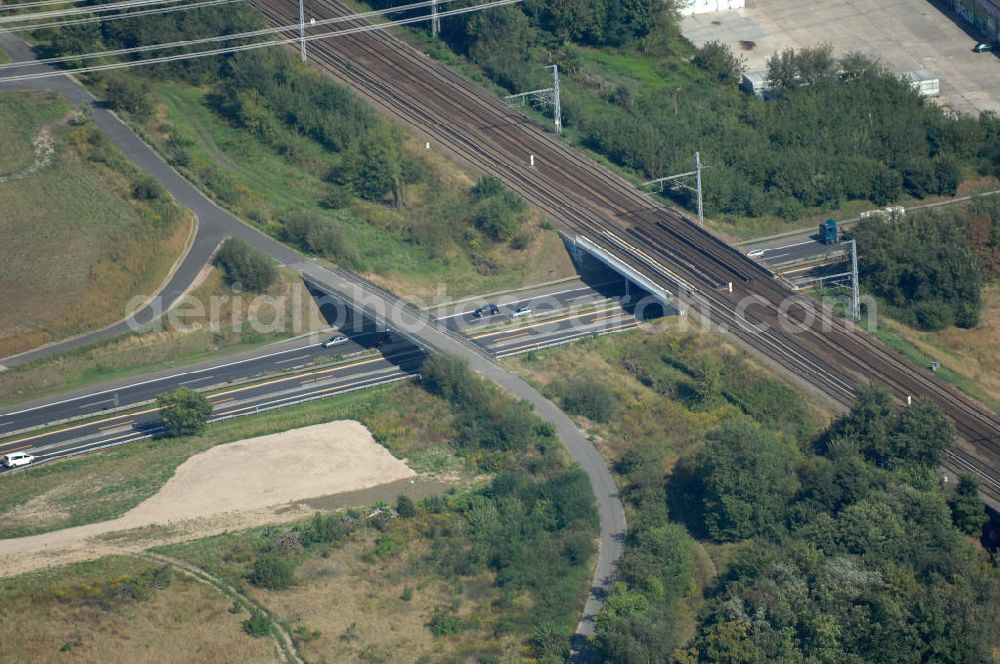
(837, 130)
(850, 548)
(923, 267)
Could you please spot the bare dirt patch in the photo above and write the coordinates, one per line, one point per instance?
(232, 486)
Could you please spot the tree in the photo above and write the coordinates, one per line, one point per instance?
(746, 481)
(923, 266)
(183, 412)
(250, 267)
(967, 509)
(887, 186)
(129, 95)
(718, 61)
(405, 506)
(922, 435)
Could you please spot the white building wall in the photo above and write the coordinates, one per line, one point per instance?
(692, 7)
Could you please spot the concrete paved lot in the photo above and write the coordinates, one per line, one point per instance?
(904, 34)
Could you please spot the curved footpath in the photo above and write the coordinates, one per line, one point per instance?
(214, 224)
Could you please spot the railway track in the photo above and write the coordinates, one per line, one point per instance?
(587, 199)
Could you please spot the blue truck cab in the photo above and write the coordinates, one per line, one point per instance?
(828, 232)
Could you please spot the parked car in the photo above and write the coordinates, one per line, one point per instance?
(756, 253)
(15, 459)
(982, 47)
(335, 341)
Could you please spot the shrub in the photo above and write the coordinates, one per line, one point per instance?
(317, 234)
(246, 265)
(129, 95)
(272, 571)
(405, 507)
(589, 398)
(258, 624)
(445, 623)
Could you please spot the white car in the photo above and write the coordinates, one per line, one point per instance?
(335, 341)
(521, 311)
(755, 253)
(15, 459)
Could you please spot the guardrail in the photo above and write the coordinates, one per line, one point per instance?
(413, 310)
(255, 411)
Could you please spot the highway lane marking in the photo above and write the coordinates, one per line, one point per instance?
(546, 322)
(512, 351)
(194, 380)
(156, 380)
(789, 246)
(513, 336)
(80, 426)
(15, 449)
(229, 364)
(220, 401)
(297, 376)
(153, 410)
(308, 394)
(592, 289)
(88, 396)
(115, 426)
(611, 315)
(96, 403)
(293, 359)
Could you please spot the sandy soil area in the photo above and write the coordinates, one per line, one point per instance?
(232, 486)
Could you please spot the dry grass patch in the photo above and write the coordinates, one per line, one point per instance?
(160, 349)
(77, 242)
(57, 616)
(357, 602)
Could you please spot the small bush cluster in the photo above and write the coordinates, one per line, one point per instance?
(246, 265)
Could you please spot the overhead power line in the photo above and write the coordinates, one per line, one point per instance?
(90, 9)
(115, 17)
(256, 45)
(218, 38)
(40, 3)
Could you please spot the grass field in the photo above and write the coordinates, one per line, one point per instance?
(4, 57)
(654, 373)
(969, 358)
(97, 487)
(156, 350)
(351, 604)
(77, 244)
(82, 613)
(413, 250)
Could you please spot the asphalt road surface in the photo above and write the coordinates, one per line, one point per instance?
(122, 412)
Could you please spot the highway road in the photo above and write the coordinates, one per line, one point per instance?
(122, 412)
(799, 251)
